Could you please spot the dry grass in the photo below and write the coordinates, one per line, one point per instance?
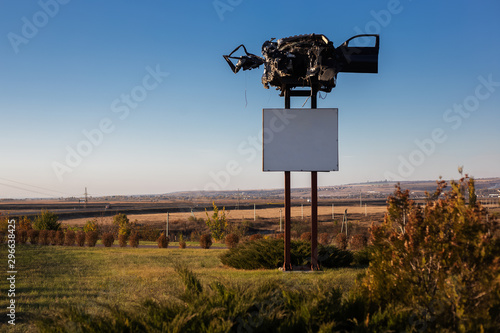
(244, 214)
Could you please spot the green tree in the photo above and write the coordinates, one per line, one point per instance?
(46, 221)
(123, 223)
(217, 224)
(91, 225)
(440, 266)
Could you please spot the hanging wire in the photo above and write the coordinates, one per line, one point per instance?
(246, 101)
(33, 186)
(306, 100)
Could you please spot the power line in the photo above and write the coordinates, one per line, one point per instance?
(45, 193)
(23, 189)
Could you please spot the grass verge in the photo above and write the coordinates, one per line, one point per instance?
(54, 278)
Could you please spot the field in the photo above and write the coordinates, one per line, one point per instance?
(98, 281)
(53, 278)
(273, 214)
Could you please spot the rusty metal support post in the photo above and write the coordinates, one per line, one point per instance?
(288, 259)
(314, 200)
(314, 220)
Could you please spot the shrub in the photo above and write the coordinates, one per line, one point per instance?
(362, 257)
(46, 221)
(80, 238)
(122, 240)
(69, 239)
(121, 221)
(91, 225)
(324, 238)
(280, 236)
(43, 237)
(33, 236)
(22, 236)
(205, 241)
(52, 237)
(341, 241)
(182, 243)
(163, 241)
(25, 223)
(232, 240)
(217, 224)
(441, 261)
(358, 242)
(91, 238)
(59, 237)
(133, 239)
(4, 225)
(255, 237)
(108, 239)
(306, 236)
(268, 254)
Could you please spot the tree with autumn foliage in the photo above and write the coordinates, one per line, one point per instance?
(435, 268)
(217, 224)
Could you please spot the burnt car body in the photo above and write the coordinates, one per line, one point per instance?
(308, 61)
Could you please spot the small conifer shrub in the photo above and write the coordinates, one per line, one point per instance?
(33, 236)
(306, 236)
(205, 241)
(163, 241)
(91, 238)
(108, 239)
(69, 238)
(122, 240)
(255, 237)
(80, 238)
(341, 240)
(134, 239)
(59, 237)
(232, 240)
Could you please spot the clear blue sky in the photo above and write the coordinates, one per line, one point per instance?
(67, 65)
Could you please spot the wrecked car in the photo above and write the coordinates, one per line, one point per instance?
(308, 60)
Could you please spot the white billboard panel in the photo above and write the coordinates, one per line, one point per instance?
(300, 140)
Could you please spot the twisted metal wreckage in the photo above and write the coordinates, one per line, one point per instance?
(307, 61)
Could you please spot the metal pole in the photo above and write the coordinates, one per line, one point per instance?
(314, 220)
(366, 213)
(288, 261)
(302, 206)
(167, 223)
(254, 214)
(314, 200)
(333, 212)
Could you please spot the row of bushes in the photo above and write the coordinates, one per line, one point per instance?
(205, 241)
(59, 237)
(70, 238)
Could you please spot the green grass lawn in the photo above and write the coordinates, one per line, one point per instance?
(52, 278)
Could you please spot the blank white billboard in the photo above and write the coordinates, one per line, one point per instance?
(300, 140)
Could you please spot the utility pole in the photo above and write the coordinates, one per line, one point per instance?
(86, 198)
(167, 225)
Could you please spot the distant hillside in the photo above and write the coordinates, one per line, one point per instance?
(378, 190)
